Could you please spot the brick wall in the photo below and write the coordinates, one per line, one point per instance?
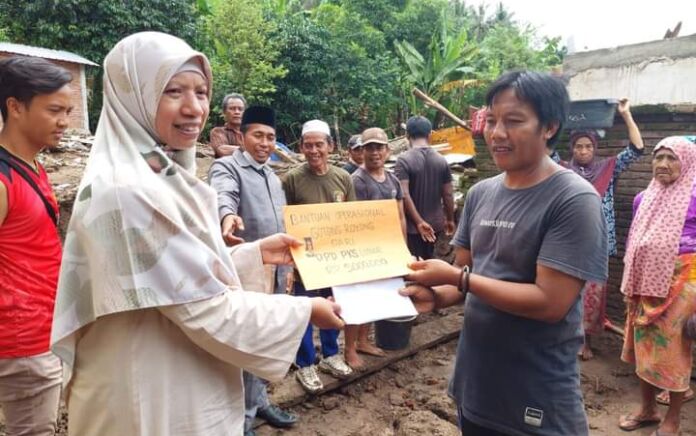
(77, 116)
(654, 127)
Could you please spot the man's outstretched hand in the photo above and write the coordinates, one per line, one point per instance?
(433, 272)
(230, 224)
(423, 298)
(426, 232)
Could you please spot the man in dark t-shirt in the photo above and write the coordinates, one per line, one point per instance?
(372, 182)
(356, 154)
(427, 184)
(527, 241)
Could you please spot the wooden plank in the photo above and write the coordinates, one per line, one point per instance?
(289, 393)
(284, 156)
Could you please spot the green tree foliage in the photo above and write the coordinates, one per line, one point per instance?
(503, 44)
(92, 27)
(506, 47)
(444, 65)
(416, 23)
(280, 8)
(242, 55)
(349, 62)
(379, 13)
(349, 27)
(478, 21)
(338, 70)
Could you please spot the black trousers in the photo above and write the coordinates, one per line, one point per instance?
(420, 248)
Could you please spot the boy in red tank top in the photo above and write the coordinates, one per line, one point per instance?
(35, 104)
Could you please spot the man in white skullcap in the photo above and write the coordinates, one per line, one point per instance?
(317, 182)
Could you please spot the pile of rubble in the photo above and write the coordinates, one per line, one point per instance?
(66, 163)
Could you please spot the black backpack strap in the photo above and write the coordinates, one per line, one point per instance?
(5, 156)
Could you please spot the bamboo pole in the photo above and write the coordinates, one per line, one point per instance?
(440, 108)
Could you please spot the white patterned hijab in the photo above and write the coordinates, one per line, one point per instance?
(144, 230)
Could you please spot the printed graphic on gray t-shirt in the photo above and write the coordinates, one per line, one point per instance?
(367, 188)
(517, 375)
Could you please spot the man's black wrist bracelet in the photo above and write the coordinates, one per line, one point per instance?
(464, 280)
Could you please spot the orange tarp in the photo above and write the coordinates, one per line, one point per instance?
(459, 139)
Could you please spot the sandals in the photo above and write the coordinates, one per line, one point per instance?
(631, 422)
(663, 397)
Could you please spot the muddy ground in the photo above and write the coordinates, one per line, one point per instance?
(408, 398)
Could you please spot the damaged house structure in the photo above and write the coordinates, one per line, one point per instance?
(658, 78)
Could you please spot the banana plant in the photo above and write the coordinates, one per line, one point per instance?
(443, 68)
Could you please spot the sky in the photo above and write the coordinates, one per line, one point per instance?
(595, 24)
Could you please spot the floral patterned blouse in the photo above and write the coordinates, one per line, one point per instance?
(627, 156)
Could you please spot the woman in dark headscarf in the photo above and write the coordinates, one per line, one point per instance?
(594, 169)
(602, 174)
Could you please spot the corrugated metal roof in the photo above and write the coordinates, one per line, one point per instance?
(46, 53)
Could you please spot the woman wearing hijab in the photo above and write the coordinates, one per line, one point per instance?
(602, 174)
(151, 320)
(659, 282)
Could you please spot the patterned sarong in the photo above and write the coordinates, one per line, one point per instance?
(654, 338)
(594, 303)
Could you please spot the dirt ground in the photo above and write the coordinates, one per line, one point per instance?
(610, 389)
(408, 398)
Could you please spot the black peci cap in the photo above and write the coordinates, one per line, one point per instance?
(259, 115)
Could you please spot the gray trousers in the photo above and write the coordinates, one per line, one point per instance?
(29, 394)
(255, 398)
(255, 393)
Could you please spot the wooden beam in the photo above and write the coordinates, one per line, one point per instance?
(440, 108)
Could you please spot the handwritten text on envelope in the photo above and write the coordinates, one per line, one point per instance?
(344, 243)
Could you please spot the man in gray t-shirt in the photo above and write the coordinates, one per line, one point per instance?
(508, 363)
(532, 236)
(372, 182)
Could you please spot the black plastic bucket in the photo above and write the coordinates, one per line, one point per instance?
(394, 334)
(591, 114)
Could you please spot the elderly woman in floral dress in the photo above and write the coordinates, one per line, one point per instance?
(659, 282)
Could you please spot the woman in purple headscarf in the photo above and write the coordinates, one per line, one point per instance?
(602, 174)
